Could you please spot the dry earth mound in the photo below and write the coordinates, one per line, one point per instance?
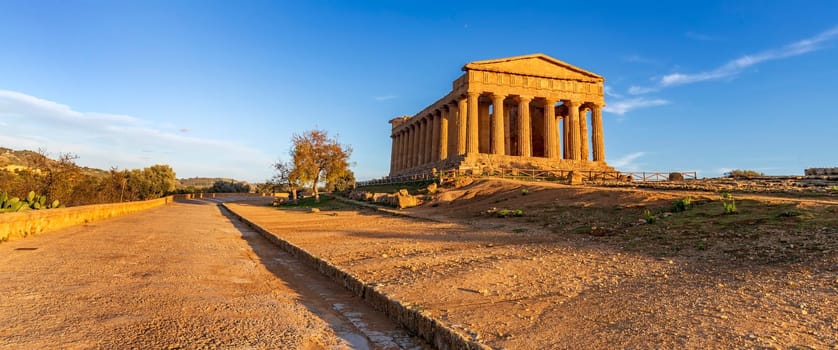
(588, 267)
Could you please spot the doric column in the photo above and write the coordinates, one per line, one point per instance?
(406, 151)
(423, 141)
(453, 129)
(507, 131)
(442, 148)
(497, 132)
(393, 148)
(462, 126)
(583, 134)
(566, 136)
(524, 132)
(557, 150)
(408, 147)
(485, 136)
(417, 142)
(473, 142)
(429, 138)
(573, 115)
(599, 144)
(435, 136)
(550, 128)
(400, 157)
(414, 157)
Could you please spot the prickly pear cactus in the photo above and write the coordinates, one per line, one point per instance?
(32, 201)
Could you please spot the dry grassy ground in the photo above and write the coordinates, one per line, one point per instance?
(579, 270)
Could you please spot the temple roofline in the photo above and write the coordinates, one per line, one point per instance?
(476, 65)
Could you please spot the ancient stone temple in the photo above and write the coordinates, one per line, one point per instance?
(525, 112)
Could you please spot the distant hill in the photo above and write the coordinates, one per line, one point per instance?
(12, 160)
(25, 159)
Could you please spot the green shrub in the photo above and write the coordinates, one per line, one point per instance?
(525, 192)
(728, 203)
(648, 217)
(683, 204)
(505, 213)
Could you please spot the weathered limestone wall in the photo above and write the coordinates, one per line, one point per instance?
(216, 195)
(32, 222)
(822, 172)
(479, 162)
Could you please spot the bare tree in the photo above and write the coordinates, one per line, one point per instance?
(287, 176)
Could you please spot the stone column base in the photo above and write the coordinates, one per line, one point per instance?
(480, 163)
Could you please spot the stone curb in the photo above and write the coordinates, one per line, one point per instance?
(415, 321)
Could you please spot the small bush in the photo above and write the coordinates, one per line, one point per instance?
(683, 204)
(525, 192)
(728, 203)
(505, 213)
(743, 174)
(648, 217)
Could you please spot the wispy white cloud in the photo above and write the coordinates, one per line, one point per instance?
(14, 103)
(727, 70)
(385, 97)
(700, 36)
(736, 66)
(640, 90)
(639, 59)
(622, 107)
(627, 162)
(609, 91)
(104, 140)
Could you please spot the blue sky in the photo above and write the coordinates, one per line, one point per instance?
(216, 88)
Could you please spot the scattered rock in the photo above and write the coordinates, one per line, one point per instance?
(462, 181)
(574, 178)
(406, 201)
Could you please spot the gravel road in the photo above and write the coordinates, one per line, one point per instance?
(179, 276)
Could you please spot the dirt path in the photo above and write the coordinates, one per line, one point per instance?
(180, 276)
(520, 285)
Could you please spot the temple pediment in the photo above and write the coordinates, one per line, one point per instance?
(539, 65)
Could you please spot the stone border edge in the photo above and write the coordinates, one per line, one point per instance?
(418, 323)
(18, 225)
